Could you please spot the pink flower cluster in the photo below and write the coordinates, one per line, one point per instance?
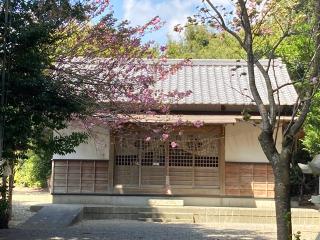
(198, 123)
(153, 25)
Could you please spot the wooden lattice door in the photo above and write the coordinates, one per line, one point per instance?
(126, 163)
(139, 163)
(194, 161)
(188, 161)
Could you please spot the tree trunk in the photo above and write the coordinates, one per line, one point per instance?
(10, 192)
(4, 216)
(281, 171)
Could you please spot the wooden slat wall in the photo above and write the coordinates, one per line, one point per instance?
(80, 176)
(249, 179)
(208, 177)
(153, 175)
(181, 176)
(126, 175)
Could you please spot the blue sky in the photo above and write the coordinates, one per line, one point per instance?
(172, 12)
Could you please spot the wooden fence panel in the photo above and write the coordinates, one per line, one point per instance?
(80, 176)
(153, 176)
(249, 179)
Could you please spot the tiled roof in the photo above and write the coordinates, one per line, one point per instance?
(216, 81)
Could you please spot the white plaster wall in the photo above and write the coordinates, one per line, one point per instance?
(96, 148)
(242, 145)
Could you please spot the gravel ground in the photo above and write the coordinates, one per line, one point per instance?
(23, 198)
(131, 230)
(135, 230)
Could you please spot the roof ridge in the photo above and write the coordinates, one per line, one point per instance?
(216, 61)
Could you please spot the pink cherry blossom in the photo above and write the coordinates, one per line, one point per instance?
(163, 48)
(174, 144)
(155, 20)
(179, 122)
(165, 136)
(198, 123)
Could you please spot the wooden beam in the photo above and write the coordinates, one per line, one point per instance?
(94, 176)
(222, 161)
(111, 163)
(52, 177)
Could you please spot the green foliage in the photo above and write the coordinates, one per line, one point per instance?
(51, 143)
(296, 52)
(35, 170)
(199, 42)
(297, 236)
(311, 140)
(301, 184)
(36, 101)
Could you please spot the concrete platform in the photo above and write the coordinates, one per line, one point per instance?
(191, 214)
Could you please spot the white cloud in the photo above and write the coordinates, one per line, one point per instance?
(173, 12)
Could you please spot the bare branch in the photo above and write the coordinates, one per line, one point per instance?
(296, 126)
(284, 85)
(251, 62)
(224, 26)
(279, 104)
(274, 48)
(272, 103)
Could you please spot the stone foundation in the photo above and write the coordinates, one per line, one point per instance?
(144, 201)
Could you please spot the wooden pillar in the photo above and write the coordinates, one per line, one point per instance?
(193, 165)
(94, 176)
(67, 173)
(167, 180)
(139, 161)
(51, 188)
(80, 184)
(111, 163)
(222, 161)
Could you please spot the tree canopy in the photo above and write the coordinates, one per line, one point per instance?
(199, 42)
(52, 75)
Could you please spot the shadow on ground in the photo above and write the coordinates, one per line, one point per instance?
(134, 230)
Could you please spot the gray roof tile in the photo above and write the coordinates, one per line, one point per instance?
(215, 81)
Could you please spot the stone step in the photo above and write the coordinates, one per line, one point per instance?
(165, 220)
(124, 216)
(155, 220)
(113, 209)
(165, 202)
(169, 215)
(196, 214)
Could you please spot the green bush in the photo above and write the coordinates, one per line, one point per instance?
(34, 171)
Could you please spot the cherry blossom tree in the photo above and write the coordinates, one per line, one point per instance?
(115, 71)
(63, 61)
